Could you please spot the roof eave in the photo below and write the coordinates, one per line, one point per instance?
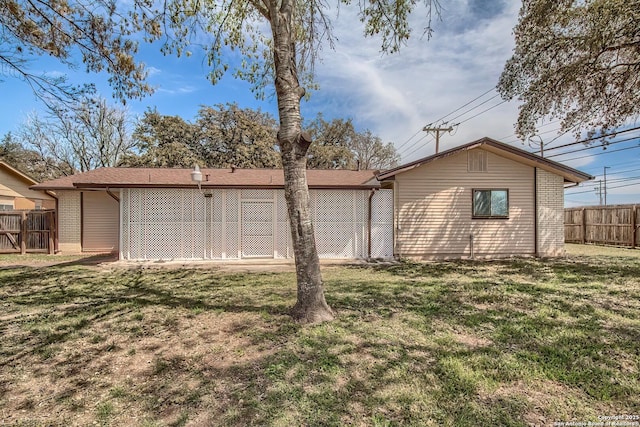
(18, 173)
(87, 186)
(569, 174)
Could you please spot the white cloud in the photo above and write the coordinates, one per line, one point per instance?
(396, 95)
(179, 90)
(153, 71)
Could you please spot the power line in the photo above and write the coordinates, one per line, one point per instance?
(612, 164)
(404, 143)
(482, 112)
(593, 138)
(608, 188)
(445, 116)
(468, 103)
(595, 183)
(552, 122)
(466, 120)
(472, 117)
(437, 130)
(604, 152)
(593, 146)
(407, 153)
(477, 106)
(539, 133)
(618, 172)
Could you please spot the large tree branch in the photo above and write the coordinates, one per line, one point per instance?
(72, 23)
(262, 8)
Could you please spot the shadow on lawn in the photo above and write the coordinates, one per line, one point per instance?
(54, 304)
(571, 269)
(441, 351)
(446, 344)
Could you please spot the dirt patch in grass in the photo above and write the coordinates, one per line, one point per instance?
(603, 251)
(147, 362)
(510, 343)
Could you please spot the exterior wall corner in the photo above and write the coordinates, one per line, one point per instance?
(69, 222)
(550, 214)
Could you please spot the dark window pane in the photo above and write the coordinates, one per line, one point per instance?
(482, 203)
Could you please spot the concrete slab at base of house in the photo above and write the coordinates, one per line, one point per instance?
(241, 265)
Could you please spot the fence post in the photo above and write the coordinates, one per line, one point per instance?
(23, 233)
(634, 225)
(584, 226)
(52, 229)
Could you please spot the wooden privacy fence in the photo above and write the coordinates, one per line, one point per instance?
(606, 225)
(27, 231)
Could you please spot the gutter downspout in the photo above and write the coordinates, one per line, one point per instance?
(396, 219)
(56, 240)
(369, 222)
(113, 196)
(536, 228)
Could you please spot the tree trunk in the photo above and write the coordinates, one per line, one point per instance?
(311, 306)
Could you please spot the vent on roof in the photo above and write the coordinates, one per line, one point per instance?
(477, 161)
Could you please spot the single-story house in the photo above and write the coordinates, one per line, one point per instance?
(482, 199)
(15, 193)
(148, 214)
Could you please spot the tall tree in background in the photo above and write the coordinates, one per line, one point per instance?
(332, 140)
(233, 136)
(575, 60)
(371, 153)
(279, 41)
(163, 141)
(226, 135)
(337, 145)
(86, 136)
(26, 160)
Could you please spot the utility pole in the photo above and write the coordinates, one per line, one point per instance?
(599, 190)
(541, 143)
(437, 131)
(605, 184)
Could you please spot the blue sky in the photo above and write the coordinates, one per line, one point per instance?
(394, 96)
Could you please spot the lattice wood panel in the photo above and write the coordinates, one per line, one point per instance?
(283, 245)
(124, 226)
(183, 224)
(164, 224)
(257, 229)
(382, 224)
(338, 218)
(257, 194)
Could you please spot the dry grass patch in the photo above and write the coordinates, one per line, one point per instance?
(517, 342)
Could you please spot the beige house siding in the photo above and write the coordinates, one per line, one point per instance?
(29, 204)
(22, 203)
(550, 194)
(100, 222)
(434, 210)
(69, 222)
(15, 187)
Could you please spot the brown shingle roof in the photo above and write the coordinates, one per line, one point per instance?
(217, 178)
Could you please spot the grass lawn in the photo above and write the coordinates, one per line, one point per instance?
(515, 342)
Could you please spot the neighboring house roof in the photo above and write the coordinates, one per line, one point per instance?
(19, 184)
(212, 178)
(570, 175)
(23, 176)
